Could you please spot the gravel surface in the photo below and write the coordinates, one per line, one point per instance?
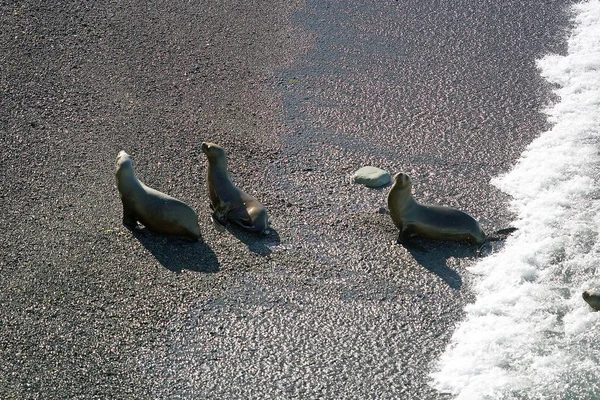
(300, 95)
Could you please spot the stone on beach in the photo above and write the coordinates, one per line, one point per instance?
(372, 176)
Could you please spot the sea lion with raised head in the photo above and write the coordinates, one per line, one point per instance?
(227, 201)
(157, 211)
(592, 297)
(431, 222)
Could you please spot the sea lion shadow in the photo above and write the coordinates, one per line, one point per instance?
(433, 256)
(177, 254)
(257, 243)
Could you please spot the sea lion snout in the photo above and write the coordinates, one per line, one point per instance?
(123, 158)
(212, 150)
(401, 179)
(121, 155)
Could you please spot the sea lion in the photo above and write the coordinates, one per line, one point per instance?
(157, 211)
(227, 201)
(431, 222)
(592, 297)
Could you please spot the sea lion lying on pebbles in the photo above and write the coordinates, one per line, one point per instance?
(227, 201)
(157, 211)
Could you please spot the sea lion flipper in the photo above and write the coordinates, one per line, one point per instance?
(221, 211)
(408, 230)
(219, 219)
(245, 222)
(218, 223)
(402, 238)
(219, 216)
(129, 219)
(410, 244)
(405, 238)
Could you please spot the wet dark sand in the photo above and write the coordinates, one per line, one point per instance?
(300, 95)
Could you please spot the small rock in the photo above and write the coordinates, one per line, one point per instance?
(372, 177)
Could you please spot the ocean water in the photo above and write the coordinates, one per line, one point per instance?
(529, 334)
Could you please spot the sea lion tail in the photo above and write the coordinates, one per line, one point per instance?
(502, 234)
(505, 231)
(487, 247)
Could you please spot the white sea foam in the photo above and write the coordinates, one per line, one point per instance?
(529, 334)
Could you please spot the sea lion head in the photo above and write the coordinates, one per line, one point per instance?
(123, 169)
(586, 295)
(592, 297)
(123, 160)
(402, 181)
(213, 152)
(589, 294)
